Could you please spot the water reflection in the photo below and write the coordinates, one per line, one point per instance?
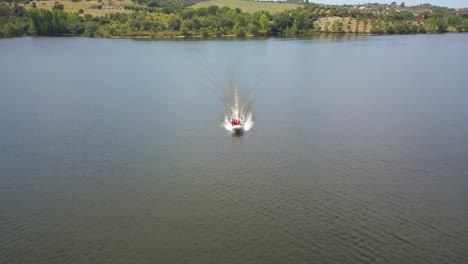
(326, 37)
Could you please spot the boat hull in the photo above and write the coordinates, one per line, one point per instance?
(238, 129)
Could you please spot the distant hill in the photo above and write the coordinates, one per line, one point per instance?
(179, 18)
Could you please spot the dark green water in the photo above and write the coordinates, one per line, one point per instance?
(112, 151)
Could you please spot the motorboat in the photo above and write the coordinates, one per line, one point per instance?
(237, 126)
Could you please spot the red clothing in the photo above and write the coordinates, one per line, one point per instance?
(235, 122)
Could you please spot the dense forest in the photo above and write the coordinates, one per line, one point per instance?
(156, 20)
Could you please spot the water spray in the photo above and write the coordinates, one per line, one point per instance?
(237, 110)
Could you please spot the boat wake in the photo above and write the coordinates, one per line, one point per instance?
(238, 111)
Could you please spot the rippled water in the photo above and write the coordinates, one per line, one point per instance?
(112, 151)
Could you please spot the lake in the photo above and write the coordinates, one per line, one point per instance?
(113, 151)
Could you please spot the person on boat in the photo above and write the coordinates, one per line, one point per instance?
(235, 122)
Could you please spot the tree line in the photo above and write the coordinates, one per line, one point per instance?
(15, 20)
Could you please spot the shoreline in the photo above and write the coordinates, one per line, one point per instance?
(222, 23)
(232, 36)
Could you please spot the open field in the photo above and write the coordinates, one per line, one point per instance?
(249, 6)
(70, 6)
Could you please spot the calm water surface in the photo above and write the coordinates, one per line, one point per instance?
(112, 151)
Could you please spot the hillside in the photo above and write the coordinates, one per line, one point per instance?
(249, 6)
(168, 19)
(89, 7)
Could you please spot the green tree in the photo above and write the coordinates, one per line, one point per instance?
(294, 29)
(174, 23)
(436, 24)
(193, 24)
(184, 30)
(57, 7)
(40, 22)
(213, 10)
(152, 4)
(59, 22)
(19, 11)
(282, 22)
(463, 26)
(7, 29)
(252, 29)
(91, 28)
(136, 24)
(239, 30)
(76, 28)
(146, 25)
(326, 28)
(205, 32)
(337, 26)
(264, 25)
(389, 29)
